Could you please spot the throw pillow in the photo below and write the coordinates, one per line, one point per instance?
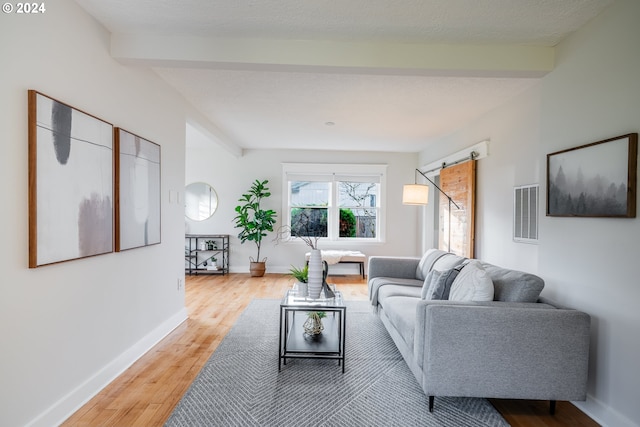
(472, 284)
(448, 261)
(512, 285)
(432, 278)
(427, 261)
(439, 289)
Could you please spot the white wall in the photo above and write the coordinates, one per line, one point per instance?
(594, 94)
(587, 263)
(232, 176)
(68, 329)
(512, 161)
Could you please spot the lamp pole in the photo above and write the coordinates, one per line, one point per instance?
(450, 202)
(440, 189)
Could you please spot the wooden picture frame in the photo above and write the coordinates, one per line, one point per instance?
(594, 180)
(138, 191)
(70, 182)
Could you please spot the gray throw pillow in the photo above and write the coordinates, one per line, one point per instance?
(512, 285)
(439, 289)
(432, 278)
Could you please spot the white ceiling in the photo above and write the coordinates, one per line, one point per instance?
(391, 75)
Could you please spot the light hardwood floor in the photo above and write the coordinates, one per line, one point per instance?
(147, 392)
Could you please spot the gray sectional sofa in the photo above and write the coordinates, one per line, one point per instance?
(512, 344)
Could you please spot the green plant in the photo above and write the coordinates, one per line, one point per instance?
(211, 244)
(300, 274)
(317, 314)
(347, 223)
(254, 221)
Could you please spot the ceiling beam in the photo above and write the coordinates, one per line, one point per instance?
(460, 60)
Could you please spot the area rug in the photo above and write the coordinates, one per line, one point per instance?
(240, 384)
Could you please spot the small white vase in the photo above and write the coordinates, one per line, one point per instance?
(314, 276)
(302, 289)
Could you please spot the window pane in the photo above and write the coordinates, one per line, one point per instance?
(358, 211)
(309, 222)
(309, 193)
(358, 222)
(357, 194)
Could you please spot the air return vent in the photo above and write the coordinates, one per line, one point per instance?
(525, 213)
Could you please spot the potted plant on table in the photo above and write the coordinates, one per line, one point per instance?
(255, 222)
(302, 277)
(309, 229)
(313, 325)
(214, 263)
(300, 274)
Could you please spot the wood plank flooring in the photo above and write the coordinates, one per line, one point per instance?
(147, 392)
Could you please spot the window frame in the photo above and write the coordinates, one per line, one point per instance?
(331, 171)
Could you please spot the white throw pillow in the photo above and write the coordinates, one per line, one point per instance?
(472, 284)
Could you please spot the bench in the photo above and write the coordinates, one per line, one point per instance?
(343, 257)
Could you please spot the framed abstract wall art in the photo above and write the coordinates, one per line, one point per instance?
(137, 191)
(70, 182)
(594, 180)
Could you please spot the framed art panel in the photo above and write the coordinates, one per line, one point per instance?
(594, 180)
(70, 182)
(137, 191)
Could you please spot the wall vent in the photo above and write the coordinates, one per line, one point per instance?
(525, 213)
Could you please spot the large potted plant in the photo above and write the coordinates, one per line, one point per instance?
(255, 222)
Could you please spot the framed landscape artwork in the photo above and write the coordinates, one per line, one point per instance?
(594, 180)
(138, 191)
(70, 182)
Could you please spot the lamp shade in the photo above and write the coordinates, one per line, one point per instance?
(415, 194)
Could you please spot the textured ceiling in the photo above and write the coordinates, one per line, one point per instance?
(371, 112)
(248, 104)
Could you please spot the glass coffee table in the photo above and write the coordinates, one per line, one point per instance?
(293, 342)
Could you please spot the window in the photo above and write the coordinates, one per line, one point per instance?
(525, 214)
(338, 203)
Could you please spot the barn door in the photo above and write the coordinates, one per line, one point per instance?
(457, 226)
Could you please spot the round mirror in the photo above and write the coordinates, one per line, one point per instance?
(200, 200)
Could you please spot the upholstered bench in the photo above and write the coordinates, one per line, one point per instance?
(343, 257)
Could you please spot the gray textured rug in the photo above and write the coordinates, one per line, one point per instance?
(240, 384)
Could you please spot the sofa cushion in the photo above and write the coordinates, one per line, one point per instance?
(378, 283)
(447, 262)
(391, 290)
(401, 312)
(440, 284)
(472, 284)
(512, 285)
(426, 262)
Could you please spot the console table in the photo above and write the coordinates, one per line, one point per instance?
(200, 251)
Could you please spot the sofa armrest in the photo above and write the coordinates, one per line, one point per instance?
(503, 352)
(401, 267)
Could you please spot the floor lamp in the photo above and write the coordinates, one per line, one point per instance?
(418, 194)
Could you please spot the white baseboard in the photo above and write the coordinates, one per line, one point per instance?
(69, 404)
(603, 414)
